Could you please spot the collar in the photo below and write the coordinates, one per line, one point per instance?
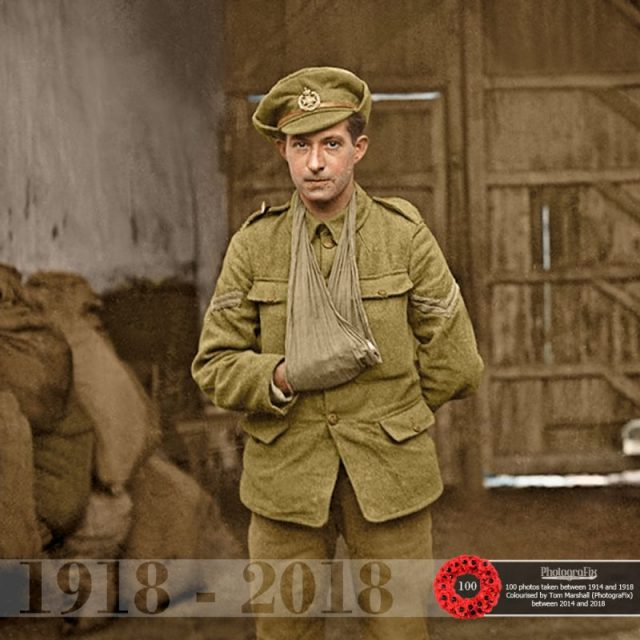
(336, 223)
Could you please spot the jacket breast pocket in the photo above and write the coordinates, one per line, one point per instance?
(271, 298)
(385, 300)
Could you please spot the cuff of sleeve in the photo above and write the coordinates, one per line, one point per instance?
(276, 406)
(278, 396)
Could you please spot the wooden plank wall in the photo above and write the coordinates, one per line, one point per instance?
(556, 125)
(107, 143)
(394, 45)
(554, 37)
(541, 125)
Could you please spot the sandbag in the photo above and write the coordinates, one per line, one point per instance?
(35, 359)
(174, 517)
(63, 467)
(19, 536)
(126, 425)
(104, 528)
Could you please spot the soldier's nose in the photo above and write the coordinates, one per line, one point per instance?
(315, 161)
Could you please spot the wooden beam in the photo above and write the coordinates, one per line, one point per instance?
(581, 275)
(471, 44)
(570, 176)
(451, 137)
(563, 463)
(621, 103)
(628, 10)
(617, 378)
(448, 147)
(240, 83)
(618, 295)
(406, 84)
(624, 386)
(568, 81)
(441, 220)
(560, 425)
(625, 201)
(564, 371)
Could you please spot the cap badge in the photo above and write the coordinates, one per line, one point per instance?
(309, 100)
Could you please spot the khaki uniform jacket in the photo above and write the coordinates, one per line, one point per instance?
(377, 423)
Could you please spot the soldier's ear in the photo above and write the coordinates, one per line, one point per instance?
(361, 145)
(282, 147)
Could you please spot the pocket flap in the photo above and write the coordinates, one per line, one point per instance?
(391, 284)
(267, 291)
(408, 423)
(263, 427)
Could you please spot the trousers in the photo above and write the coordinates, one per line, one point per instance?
(404, 538)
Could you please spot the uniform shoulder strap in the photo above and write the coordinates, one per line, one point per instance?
(401, 206)
(265, 210)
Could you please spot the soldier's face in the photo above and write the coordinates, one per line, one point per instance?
(321, 165)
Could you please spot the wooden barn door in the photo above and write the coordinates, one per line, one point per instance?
(556, 177)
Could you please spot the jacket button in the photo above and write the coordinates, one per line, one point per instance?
(332, 418)
(327, 240)
(417, 428)
(382, 292)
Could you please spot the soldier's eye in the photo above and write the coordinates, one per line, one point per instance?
(333, 144)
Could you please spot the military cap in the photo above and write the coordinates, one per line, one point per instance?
(311, 99)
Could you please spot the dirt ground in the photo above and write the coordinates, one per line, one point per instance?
(502, 524)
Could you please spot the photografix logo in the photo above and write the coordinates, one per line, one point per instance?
(562, 573)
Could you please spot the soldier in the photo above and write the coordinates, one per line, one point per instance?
(338, 330)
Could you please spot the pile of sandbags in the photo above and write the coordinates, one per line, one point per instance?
(35, 359)
(169, 514)
(174, 517)
(36, 369)
(63, 467)
(126, 425)
(98, 485)
(19, 537)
